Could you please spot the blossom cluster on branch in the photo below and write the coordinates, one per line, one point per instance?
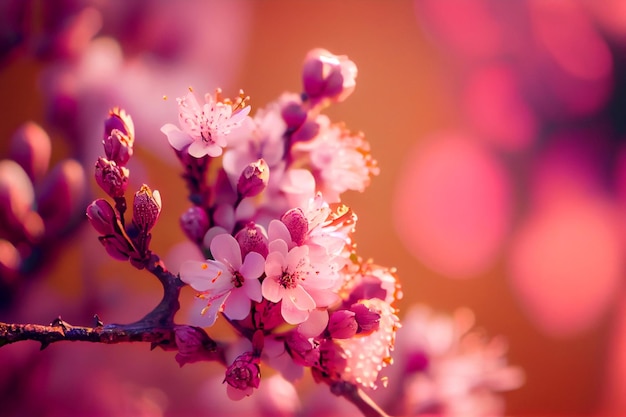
(280, 266)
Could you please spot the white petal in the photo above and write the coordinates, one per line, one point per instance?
(301, 299)
(291, 313)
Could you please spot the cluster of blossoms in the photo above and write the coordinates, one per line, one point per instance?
(280, 266)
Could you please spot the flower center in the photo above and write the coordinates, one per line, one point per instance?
(237, 279)
(287, 280)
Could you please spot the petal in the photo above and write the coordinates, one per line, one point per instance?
(301, 299)
(236, 394)
(272, 290)
(274, 264)
(252, 288)
(209, 312)
(323, 298)
(198, 274)
(315, 324)
(176, 137)
(198, 149)
(237, 306)
(291, 313)
(225, 249)
(253, 265)
(278, 230)
(279, 246)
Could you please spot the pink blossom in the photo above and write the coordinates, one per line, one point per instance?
(226, 280)
(204, 127)
(292, 279)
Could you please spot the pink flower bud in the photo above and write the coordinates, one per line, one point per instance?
(117, 247)
(61, 196)
(367, 319)
(297, 224)
(112, 178)
(293, 115)
(193, 345)
(302, 349)
(325, 75)
(342, 324)
(16, 194)
(252, 238)
(118, 147)
(102, 216)
(31, 148)
(195, 223)
(10, 261)
(146, 208)
(119, 120)
(244, 373)
(253, 179)
(307, 131)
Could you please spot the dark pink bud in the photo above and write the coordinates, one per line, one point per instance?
(325, 75)
(367, 319)
(117, 247)
(302, 349)
(342, 324)
(244, 373)
(61, 195)
(193, 345)
(297, 224)
(112, 178)
(195, 223)
(16, 193)
(253, 179)
(102, 216)
(146, 208)
(31, 148)
(118, 147)
(306, 132)
(119, 120)
(294, 115)
(252, 238)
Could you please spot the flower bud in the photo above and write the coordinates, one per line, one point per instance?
(117, 247)
(118, 147)
(146, 208)
(16, 194)
(119, 120)
(112, 178)
(195, 223)
(342, 324)
(243, 374)
(252, 238)
(10, 262)
(297, 224)
(193, 344)
(294, 115)
(367, 319)
(102, 216)
(325, 75)
(31, 148)
(253, 179)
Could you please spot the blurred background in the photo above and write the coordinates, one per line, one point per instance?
(499, 129)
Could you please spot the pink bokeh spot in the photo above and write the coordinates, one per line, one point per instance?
(565, 262)
(496, 107)
(452, 205)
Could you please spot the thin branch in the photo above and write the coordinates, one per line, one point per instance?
(358, 397)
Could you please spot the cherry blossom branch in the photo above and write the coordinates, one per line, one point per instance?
(156, 328)
(358, 397)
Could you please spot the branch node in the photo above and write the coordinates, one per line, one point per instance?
(97, 321)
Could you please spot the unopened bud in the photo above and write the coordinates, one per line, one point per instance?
(193, 344)
(342, 324)
(325, 75)
(118, 119)
(195, 223)
(297, 224)
(252, 238)
(367, 319)
(118, 147)
(113, 179)
(31, 148)
(146, 208)
(117, 247)
(102, 216)
(294, 115)
(253, 179)
(244, 373)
